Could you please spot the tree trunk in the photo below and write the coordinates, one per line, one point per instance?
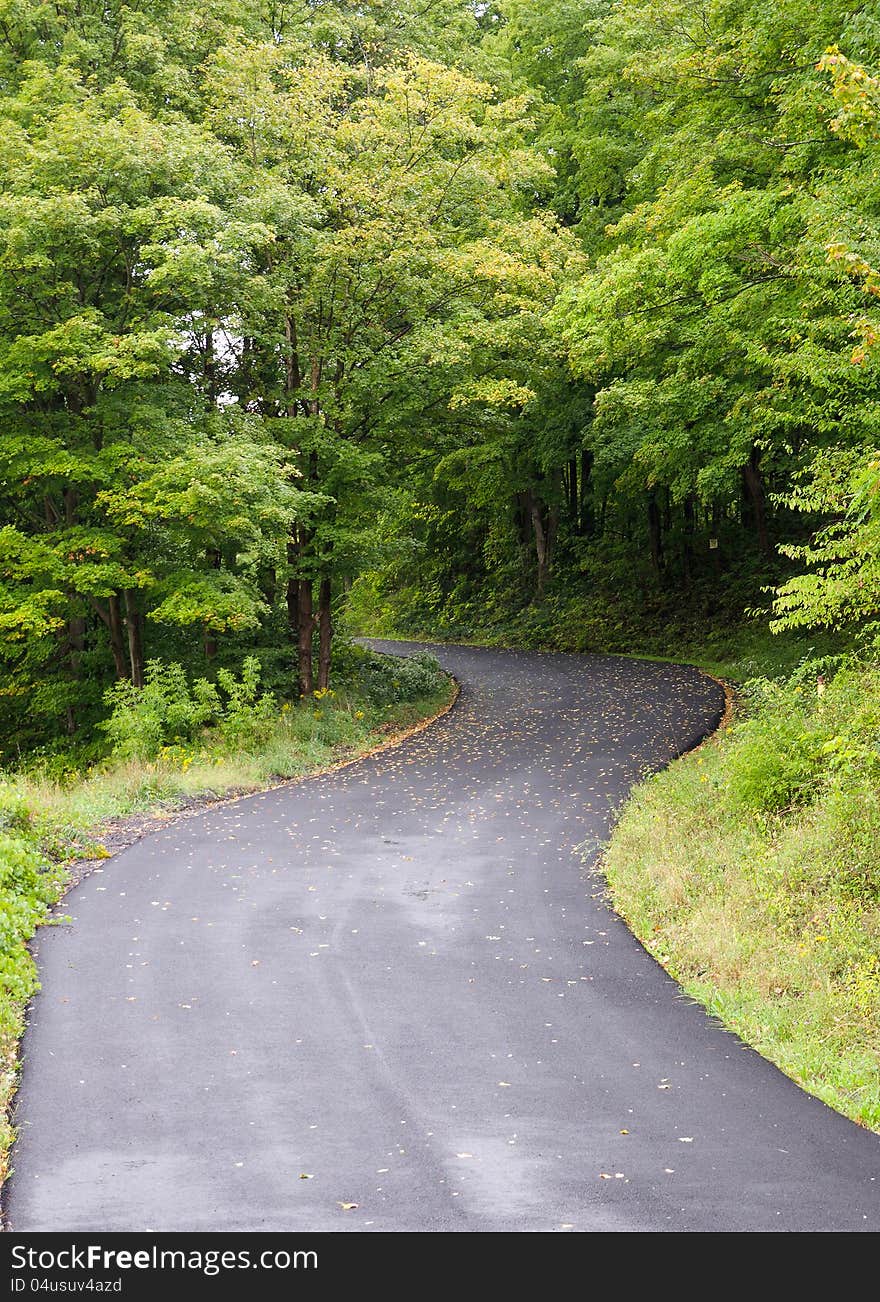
(292, 597)
(655, 535)
(215, 560)
(715, 526)
(134, 627)
(521, 519)
(305, 622)
(111, 616)
(325, 634)
(754, 487)
(540, 541)
(573, 496)
(545, 535)
(585, 510)
(210, 370)
(689, 527)
(117, 641)
(552, 534)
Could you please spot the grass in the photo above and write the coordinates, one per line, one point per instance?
(750, 870)
(47, 825)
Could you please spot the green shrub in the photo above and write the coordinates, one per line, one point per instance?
(797, 741)
(169, 711)
(750, 870)
(394, 680)
(15, 816)
(247, 714)
(775, 761)
(28, 885)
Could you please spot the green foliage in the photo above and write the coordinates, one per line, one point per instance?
(15, 816)
(546, 318)
(27, 888)
(802, 737)
(393, 680)
(248, 263)
(29, 884)
(718, 166)
(169, 710)
(841, 585)
(777, 762)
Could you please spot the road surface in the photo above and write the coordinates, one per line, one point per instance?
(401, 981)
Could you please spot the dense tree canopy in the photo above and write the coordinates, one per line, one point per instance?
(438, 313)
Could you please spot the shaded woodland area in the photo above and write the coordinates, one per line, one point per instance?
(429, 317)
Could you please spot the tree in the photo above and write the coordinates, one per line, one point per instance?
(417, 256)
(115, 232)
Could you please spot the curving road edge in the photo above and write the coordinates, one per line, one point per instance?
(393, 985)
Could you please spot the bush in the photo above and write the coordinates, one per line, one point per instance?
(775, 761)
(15, 816)
(796, 743)
(168, 711)
(28, 885)
(394, 680)
(247, 714)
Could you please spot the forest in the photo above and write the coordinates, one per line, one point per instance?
(551, 321)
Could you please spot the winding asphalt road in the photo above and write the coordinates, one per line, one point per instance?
(398, 980)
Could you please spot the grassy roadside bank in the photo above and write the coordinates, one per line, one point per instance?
(750, 870)
(48, 827)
